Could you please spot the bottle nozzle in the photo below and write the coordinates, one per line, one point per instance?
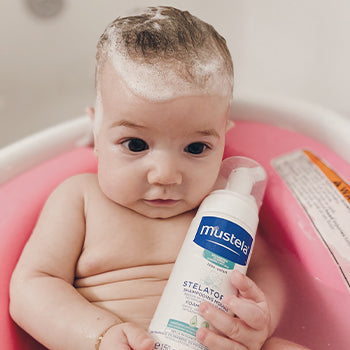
(242, 180)
(244, 176)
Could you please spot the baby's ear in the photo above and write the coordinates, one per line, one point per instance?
(229, 124)
(90, 111)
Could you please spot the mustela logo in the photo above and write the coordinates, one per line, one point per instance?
(224, 238)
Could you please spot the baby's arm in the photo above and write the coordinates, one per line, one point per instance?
(43, 299)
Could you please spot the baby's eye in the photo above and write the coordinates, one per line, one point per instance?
(135, 145)
(196, 148)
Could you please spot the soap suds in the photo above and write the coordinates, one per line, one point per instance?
(162, 80)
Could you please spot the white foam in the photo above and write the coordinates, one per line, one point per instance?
(161, 80)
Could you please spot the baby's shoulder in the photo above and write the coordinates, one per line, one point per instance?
(70, 194)
(77, 185)
(81, 180)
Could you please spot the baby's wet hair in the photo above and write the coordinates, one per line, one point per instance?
(168, 35)
(164, 53)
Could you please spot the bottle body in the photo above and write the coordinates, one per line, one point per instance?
(219, 240)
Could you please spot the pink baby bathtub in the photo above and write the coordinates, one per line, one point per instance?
(305, 216)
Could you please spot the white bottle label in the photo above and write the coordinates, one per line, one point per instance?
(215, 247)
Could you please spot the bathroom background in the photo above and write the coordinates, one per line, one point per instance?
(295, 48)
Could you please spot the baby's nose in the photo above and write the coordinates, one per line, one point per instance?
(164, 171)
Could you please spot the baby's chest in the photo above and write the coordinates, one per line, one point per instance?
(123, 241)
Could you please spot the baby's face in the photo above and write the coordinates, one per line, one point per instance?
(159, 159)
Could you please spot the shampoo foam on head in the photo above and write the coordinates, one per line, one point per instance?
(220, 239)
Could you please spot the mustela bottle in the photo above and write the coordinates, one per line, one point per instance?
(220, 239)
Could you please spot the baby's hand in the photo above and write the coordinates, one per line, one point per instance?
(248, 330)
(126, 336)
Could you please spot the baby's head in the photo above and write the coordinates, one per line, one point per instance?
(164, 83)
(164, 53)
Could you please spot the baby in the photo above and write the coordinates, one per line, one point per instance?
(92, 273)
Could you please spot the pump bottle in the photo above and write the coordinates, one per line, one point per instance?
(220, 239)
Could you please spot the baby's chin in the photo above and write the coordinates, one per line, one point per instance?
(163, 211)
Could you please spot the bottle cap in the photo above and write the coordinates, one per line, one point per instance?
(244, 176)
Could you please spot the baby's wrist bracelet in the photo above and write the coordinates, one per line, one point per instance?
(99, 339)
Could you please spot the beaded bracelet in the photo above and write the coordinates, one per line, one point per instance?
(99, 339)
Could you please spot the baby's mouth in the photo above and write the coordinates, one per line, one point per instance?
(162, 202)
